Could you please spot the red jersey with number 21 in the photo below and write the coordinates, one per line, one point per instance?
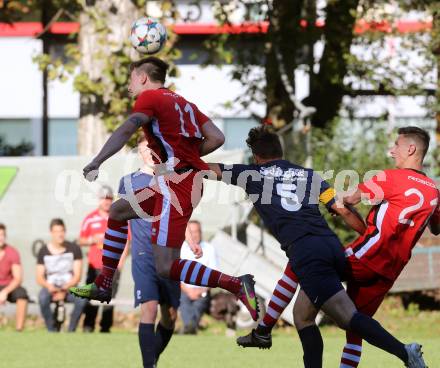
(174, 135)
(405, 201)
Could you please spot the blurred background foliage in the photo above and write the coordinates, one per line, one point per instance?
(360, 150)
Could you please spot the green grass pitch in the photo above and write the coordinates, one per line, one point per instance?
(35, 349)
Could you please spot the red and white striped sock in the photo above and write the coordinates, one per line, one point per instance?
(195, 273)
(281, 297)
(114, 243)
(351, 355)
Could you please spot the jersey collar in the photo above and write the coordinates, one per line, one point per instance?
(273, 162)
(417, 171)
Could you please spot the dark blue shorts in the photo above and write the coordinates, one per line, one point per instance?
(320, 264)
(149, 286)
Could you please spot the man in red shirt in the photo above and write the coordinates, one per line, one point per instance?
(406, 201)
(92, 237)
(178, 134)
(11, 275)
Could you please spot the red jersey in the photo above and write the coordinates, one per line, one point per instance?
(174, 135)
(405, 201)
(94, 225)
(10, 258)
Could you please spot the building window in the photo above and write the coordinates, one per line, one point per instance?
(16, 131)
(63, 134)
(63, 137)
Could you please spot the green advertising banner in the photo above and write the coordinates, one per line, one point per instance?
(7, 175)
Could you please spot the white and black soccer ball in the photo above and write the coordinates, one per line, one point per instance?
(148, 36)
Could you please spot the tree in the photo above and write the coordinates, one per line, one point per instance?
(435, 48)
(13, 10)
(103, 59)
(327, 85)
(102, 54)
(289, 41)
(347, 158)
(295, 28)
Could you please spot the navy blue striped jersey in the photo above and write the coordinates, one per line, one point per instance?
(286, 196)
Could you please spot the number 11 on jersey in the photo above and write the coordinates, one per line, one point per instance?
(184, 122)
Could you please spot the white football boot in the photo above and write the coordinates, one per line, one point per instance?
(415, 358)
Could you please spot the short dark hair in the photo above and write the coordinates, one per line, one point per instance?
(56, 222)
(264, 143)
(155, 68)
(420, 135)
(2, 227)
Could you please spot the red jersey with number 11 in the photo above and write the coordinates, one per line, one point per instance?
(174, 135)
(405, 201)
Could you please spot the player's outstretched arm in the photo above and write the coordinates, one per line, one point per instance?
(353, 198)
(339, 207)
(213, 138)
(350, 216)
(115, 143)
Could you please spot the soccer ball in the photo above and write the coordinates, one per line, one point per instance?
(148, 36)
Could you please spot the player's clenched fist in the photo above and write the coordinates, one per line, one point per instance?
(91, 171)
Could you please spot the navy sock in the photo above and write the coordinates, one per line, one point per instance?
(313, 346)
(372, 332)
(163, 337)
(146, 343)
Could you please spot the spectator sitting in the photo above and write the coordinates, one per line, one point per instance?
(11, 274)
(194, 300)
(59, 266)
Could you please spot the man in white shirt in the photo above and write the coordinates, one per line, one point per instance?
(194, 300)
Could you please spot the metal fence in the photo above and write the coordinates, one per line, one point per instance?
(422, 272)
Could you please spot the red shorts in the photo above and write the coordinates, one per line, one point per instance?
(170, 201)
(365, 287)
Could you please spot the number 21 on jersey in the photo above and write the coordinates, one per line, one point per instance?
(405, 217)
(188, 123)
